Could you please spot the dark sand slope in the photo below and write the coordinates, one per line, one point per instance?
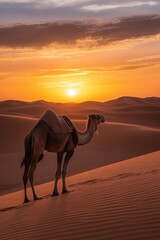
(120, 201)
(115, 142)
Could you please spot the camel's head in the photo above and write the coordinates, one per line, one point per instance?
(97, 118)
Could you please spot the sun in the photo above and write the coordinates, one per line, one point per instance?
(71, 92)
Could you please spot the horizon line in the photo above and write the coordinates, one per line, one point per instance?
(42, 100)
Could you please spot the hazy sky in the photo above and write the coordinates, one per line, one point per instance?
(29, 11)
(100, 49)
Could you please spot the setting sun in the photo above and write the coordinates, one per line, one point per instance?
(71, 92)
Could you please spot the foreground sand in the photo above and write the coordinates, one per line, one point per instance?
(119, 201)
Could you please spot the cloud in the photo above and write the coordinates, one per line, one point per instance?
(62, 84)
(134, 67)
(145, 58)
(66, 75)
(62, 73)
(72, 33)
(50, 2)
(97, 8)
(125, 67)
(67, 72)
(33, 11)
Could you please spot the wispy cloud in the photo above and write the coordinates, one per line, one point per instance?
(65, 75)
(145, 58)
(62, 72)
(53, 2)
(126, 67)
(62, 84)
(134, 67)
(97, 7)
(71, 33)
(129, 65)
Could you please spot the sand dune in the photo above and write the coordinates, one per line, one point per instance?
(133, 110)
(115, 142)
(119, 201)
(115, 199)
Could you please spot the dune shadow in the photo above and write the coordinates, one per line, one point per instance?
(153, 171)
(91, 181)
(116, 177)
(22, 205)
(99, 180)
(7, 209)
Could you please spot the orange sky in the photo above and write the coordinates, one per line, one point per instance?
(95, 74)
(95, 70)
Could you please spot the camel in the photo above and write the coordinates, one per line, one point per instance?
(60, 141)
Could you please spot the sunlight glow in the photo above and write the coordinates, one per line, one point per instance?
(71, 92)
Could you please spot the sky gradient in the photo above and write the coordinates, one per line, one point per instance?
(101, 50)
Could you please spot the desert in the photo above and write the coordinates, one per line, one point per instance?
(113, 180)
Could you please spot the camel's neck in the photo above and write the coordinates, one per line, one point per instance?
(86, 136)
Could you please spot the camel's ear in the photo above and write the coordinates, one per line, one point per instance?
(98, 117)
(91, 115)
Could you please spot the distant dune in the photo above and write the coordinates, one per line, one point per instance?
(120, 201)
(142, 111)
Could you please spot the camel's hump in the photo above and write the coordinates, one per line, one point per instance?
(55, 122)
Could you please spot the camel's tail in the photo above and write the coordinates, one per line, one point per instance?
(28, 151)
(28, 146)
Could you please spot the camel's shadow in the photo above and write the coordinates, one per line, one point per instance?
(22, 205)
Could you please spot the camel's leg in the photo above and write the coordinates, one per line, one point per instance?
(64, 171)
(58, 172)
(31, 177)
(25, 180)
